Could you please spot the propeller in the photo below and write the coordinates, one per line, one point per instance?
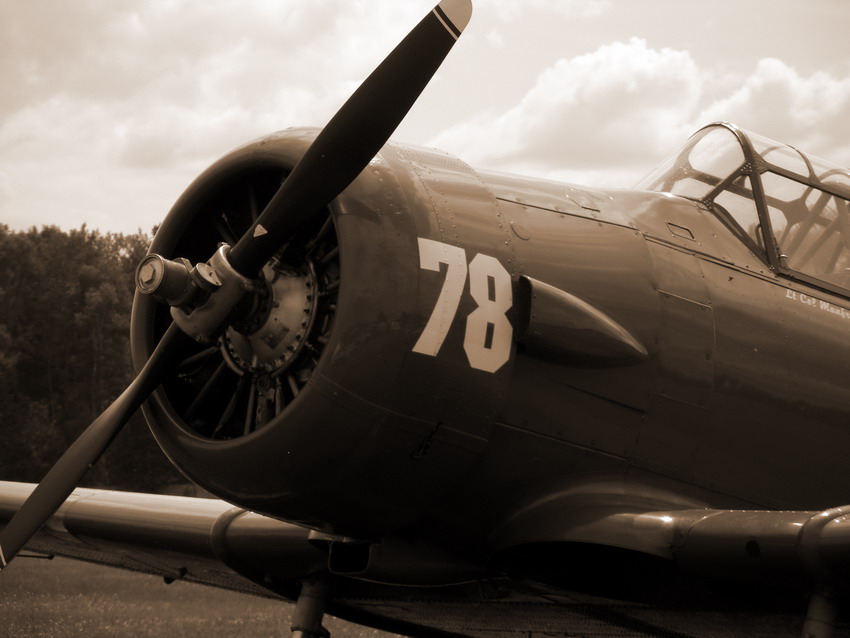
(338, 154)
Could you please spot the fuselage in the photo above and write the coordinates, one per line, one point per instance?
(740, 403)
(428, 410)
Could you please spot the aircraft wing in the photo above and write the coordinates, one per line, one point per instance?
(194, 539)
(210, 542)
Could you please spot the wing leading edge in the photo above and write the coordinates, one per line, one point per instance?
(199, 540)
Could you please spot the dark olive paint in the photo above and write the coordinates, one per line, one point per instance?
(743, 381)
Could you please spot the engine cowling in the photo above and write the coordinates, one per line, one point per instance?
(317, 408)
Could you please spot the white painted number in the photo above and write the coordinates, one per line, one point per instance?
(488, 332)
(487, 341)
(431, 255)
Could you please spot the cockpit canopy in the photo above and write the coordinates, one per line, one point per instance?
(789, 207)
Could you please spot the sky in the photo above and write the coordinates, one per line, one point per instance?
(110, 108)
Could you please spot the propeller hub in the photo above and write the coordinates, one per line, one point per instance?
(269, 340)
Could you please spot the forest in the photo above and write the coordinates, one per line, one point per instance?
(65, 300)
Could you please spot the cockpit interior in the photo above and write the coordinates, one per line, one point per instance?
(790, 208)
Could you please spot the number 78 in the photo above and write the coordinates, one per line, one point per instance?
(487, 341)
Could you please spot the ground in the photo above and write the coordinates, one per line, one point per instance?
(65, 598)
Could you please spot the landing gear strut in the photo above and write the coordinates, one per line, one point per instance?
(822, 616)
(310, 607)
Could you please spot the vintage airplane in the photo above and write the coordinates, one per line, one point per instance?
(444, 402)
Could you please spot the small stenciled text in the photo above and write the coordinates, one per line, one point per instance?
(820, 304)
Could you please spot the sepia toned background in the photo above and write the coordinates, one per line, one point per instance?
(110, 109)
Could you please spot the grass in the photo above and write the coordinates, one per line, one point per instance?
(66, 598)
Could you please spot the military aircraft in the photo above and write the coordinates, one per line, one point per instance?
(444, 402)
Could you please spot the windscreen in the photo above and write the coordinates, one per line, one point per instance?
(802, 221)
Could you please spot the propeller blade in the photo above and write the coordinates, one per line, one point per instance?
(64, 476)
(339, 153)
(354, 135)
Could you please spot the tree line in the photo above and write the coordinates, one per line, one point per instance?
(65, 300)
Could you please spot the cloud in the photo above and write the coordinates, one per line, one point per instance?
(157, 90)
(810, 113)
(165, 87)
(600, 111)
(162, 71)
(510, 10)
(606, 118)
